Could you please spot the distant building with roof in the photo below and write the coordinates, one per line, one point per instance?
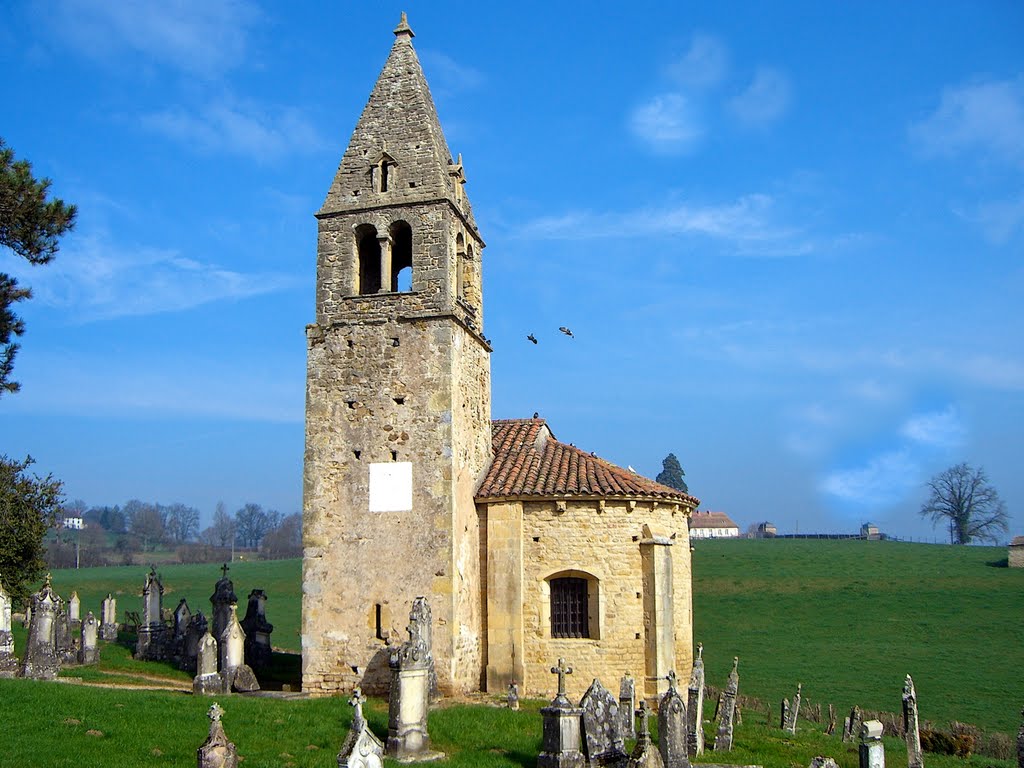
(870, 531)
(713, 525)
(1015, 557)
(766, 530)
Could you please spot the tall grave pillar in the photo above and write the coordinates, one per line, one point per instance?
(695, 705)
(672, 727)
(411, 665)
(8, 661)
(258, 652)
(872, 751)
(561, 743)
(108, 618)
(152, 630)
(88, 650)
(41, 660)
(915, 758)
(723, 740)
(221, 600)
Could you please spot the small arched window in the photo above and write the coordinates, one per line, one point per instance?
(468, 272)
(384, 173)
(401, 256)
(569, 607)
(368, 259)
(460, 261)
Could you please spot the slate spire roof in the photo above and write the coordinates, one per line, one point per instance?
(529, 461)
(399, 124)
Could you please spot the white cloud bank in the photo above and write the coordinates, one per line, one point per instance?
(668, 123)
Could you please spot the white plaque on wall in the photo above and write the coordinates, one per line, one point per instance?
(391, 487)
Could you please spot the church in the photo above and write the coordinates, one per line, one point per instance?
(527, 548)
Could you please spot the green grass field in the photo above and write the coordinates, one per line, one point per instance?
(847, 619)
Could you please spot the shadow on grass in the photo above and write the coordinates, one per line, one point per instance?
(1004, 563)
(285, 670)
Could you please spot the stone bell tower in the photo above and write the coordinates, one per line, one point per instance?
(398, 399)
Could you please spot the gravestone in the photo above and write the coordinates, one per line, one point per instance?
(64, 640)
(8, 661)
(88, 650)
(108, 618)
(723, 739)
(151, 644)
(831, 729)
(645, 754)
(197, 627)
(823, 762)
(560, 747)
(217, 751)
(1020, 743)
(695, 705)
(851, 725)
(74, 608)
(41, 661)
(784, 714)
(221, 600)
(672, 727)
(794, 712)
(207, 681)
(872, 752)
(602, 727)
(513, 696)
(411, 664)
(235, 674)
(257, 630)
(361, 748)
(627, 706)
(28, 616)
(915, 758)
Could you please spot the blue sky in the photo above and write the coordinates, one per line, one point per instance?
(788, 237)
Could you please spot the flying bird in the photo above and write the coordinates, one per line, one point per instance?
(532, 338)
(566, 331)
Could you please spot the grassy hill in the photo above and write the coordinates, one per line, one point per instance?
(848, 619)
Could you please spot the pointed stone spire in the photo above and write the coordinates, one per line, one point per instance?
(403, 28)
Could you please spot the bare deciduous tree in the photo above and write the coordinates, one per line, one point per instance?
(962, 498)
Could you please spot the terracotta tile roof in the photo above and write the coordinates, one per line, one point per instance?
(1018, 541)
(529, 461)
(711, 520)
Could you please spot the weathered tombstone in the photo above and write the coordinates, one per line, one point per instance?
(8, 661)
(235, 674)
(915, 758)
(151, 644)
(794, 712)
(74, 608)
(28, 616)
(695, 705)
(361, 748)
(784, 714)
(88, 651)
(108, 618)
(602, 727)
(1020, 743)
(197, 627)
(217, 751)
(823, 762)
(257, 629)
(180, 620)
(627, 706)
(513, 695)
(672, 727)
(41, 661)
(851, 725)
(560, 747)
(207, 680)
(872, 752)
(221, 600)
(831, 729)
(411, 664)
(64, 642)
(645, 754)
(723, 739)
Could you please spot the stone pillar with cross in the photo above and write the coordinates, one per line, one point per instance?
(411, 664)
(645, 754)
(672, 726)
(221, 600)
(560, 747)
(361, 748)
(217, 751)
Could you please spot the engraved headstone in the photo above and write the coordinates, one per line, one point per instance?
(207, 680)
(851, 725)
(602, 727)
(197, 627)
(74, 608)
(411, 663)
(560, 747)
(794, 712)
(108, 618)
(221, 600)
(627, 706)
(644, 754)
(88, 650)
(257, 629)
(513, 696)
(823, 762)
(63, 640)
(152, 638)
(872, 752)
(235, 674)
(361, 748)
(217, 751)
(41, 660)
(8, 661)
(915, 758)
(672, 727)
(723, 739)
(695, 705)
(784, 714)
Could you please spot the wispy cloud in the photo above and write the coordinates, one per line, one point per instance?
(96, 279)
(1000, 220)
(705, 63)
(668, 123)
(881, 480)
(985, 117)
(765, 99)
(748, 224)
(204, 37)
(939, 429)
(251, 131)
(447, 75)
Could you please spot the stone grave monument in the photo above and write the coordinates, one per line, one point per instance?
(41, 661)
(257, 631)
(197, 627)
(207, 680)
(235, 674)
(627, 706)
(179, 625)
(8, 661)
(915, 758)
(560, 747)
(673, 735)
(645, 754)
(361, 748)
(63, 640)
(851, 725)
(411, 664)
(695, 705)
(513, 696)
(74, 609)
(1020, 743)
(784, 714)
(723, 739)
(872, 751)
(108, 618)
(88, 649)
(151, 644)
(794, 711)
(603, 743)
(221, 600)
(216, 751)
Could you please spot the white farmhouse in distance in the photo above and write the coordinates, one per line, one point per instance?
(713, 525)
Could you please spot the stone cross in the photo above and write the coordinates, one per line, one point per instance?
(627, 705)
(216, 751)
(361, 749)
(560, 745)
(671, 677)
(356, 702)
(915, 758)
(561, 670)
(215, 713)
(673, 735)
(224, 570)
(644, 732)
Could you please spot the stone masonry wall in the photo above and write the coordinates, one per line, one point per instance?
(1016, 556)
